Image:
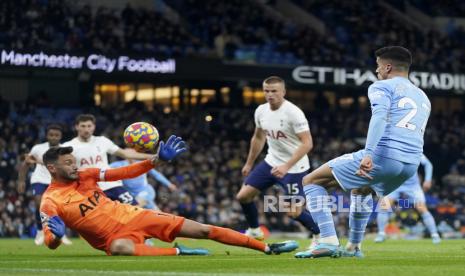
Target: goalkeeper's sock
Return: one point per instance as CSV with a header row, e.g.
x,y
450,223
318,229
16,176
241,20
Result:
x,y
145,250
231,237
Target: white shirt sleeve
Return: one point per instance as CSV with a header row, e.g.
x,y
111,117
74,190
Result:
x,y
299,122
257,117
35,151
110,147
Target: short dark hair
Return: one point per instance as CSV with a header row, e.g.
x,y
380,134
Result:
x,y
84,118
53,153
54,127
273,80
400,57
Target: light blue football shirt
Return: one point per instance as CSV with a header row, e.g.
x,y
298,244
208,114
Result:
x,y
400,112
137,184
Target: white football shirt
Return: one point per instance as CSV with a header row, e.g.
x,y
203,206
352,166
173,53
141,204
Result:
x,y
40,173
281,127
94,154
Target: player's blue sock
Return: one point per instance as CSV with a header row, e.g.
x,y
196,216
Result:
x,y
251,214
428,220
360,211
382,220
38,221
306,219
317,197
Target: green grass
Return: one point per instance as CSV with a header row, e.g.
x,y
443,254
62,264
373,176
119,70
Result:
x,y
418,258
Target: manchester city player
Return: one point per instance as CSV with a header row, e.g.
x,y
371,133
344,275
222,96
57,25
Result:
x,y
392,153
139,187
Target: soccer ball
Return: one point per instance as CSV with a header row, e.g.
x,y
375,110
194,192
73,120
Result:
x,y
141,136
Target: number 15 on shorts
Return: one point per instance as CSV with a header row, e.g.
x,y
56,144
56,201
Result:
x,y
292,188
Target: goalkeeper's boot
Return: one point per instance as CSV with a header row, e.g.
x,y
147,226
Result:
x,y
282,247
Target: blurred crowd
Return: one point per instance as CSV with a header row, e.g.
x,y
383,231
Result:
x,y
55,25
247,31
362,26
209,174
450,8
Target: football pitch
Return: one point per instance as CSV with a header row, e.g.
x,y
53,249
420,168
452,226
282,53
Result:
x,y
22,257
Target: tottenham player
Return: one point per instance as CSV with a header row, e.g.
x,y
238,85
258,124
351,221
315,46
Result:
x,y
412,189
392,153
75,199
91,152
40,178
283,126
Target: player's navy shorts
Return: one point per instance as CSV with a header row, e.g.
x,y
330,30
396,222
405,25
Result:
x,y
121,194
411,189
39,188
388,174
261,179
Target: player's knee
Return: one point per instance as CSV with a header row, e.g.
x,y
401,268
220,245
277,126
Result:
x,y
243,197
204,231
308,179
122,247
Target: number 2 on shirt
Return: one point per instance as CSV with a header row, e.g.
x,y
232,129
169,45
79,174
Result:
x,y
405,121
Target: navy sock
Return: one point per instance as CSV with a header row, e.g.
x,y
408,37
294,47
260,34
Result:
x,y
251,214
306,219
38,220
